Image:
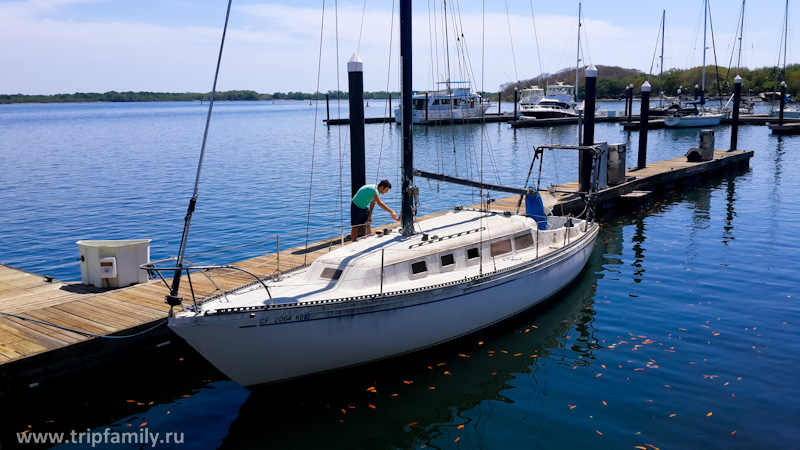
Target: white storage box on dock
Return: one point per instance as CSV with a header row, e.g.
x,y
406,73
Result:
x,y
113,264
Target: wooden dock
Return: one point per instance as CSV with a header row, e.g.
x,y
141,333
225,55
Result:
x,y
559,121
32,352
652,124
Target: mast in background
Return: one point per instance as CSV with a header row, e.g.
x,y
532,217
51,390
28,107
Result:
x,y
406,213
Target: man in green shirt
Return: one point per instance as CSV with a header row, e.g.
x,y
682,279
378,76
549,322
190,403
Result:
x,y
363,203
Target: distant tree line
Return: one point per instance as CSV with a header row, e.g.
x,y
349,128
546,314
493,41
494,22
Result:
x,y
611,81
114,96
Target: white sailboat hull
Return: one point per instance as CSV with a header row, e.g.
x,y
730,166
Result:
x,y
704,120
284,342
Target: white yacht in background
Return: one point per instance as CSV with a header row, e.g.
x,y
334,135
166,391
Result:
x,y
455,102
559,102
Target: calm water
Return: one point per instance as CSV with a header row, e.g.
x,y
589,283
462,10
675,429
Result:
x,y
680,333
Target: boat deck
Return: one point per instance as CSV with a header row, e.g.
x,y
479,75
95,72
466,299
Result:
x,y
31,352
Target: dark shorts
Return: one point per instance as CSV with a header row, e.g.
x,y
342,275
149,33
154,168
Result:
x,y
358,216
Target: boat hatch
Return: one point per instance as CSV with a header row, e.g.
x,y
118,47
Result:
x,y
331,273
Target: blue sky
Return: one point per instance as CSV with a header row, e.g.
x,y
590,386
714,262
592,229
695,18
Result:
x,y
67,46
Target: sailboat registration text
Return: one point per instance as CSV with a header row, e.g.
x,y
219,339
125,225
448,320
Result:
x,y
284,319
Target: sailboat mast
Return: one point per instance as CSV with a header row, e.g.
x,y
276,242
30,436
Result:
x,y
705,27
578,57
407,215
785,36
741,32
661,74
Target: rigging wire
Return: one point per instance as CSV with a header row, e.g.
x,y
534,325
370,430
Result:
x,y
314,138
338,108
714,48
655,51
736,36
389,103
471,75
536,37
511,39
361,29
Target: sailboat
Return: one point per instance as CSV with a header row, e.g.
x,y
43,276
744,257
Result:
x,y
393,293
673,107
790,111
701,118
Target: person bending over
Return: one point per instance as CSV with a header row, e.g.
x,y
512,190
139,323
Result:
x,y
363,203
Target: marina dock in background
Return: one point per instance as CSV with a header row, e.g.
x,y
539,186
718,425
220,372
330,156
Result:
x,y
633,125
41,316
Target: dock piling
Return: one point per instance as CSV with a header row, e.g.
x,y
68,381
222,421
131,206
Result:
x,y
737,94
629,102
328,108
643,116
355,77
516,95
783,102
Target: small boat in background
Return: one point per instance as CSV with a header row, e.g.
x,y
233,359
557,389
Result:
x,y
701,119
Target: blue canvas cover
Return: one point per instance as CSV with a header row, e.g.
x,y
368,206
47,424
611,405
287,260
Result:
x,y
534,208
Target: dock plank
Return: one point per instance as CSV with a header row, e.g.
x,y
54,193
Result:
x,y
30,335
65,336
65,319
88,311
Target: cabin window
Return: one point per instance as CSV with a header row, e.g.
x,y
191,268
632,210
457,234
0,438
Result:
x,y
448,260
419,267
473,253
329,273
501,247
455,102
523,241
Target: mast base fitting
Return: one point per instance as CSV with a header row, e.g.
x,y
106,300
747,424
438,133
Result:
x,y
173,300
